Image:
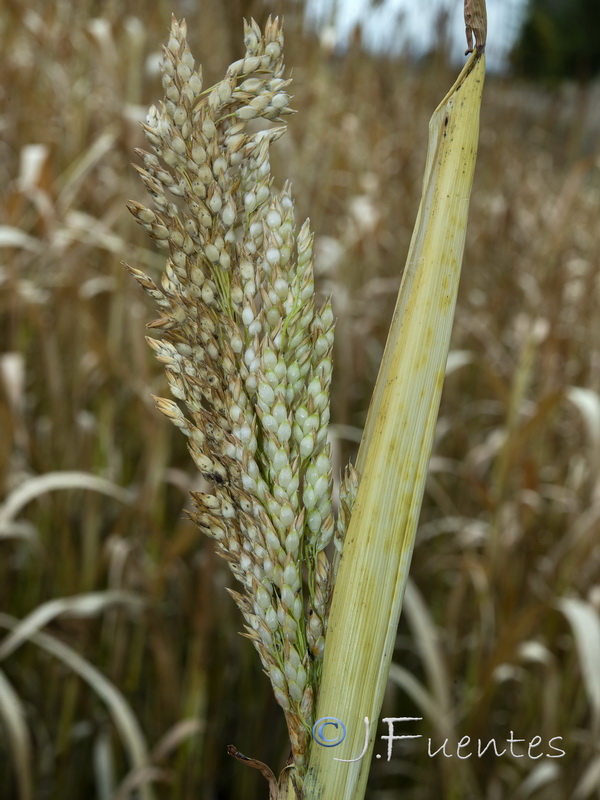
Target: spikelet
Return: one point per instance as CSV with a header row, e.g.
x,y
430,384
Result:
x,y
246,352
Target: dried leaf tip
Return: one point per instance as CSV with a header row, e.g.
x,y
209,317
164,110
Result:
x,y
475,25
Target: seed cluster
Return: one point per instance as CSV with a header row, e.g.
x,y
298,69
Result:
x,y
247,354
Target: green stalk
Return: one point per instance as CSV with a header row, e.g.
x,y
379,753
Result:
x,y
395,453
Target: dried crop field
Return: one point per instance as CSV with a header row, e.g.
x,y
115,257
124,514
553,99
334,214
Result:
x,y
118,642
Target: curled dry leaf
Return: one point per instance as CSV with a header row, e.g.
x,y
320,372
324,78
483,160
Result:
x,y
475,24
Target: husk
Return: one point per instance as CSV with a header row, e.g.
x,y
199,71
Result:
x,y
395,450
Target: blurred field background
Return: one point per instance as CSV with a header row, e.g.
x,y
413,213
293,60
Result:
x,y
118,642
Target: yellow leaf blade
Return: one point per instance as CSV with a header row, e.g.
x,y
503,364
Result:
x,y
395,451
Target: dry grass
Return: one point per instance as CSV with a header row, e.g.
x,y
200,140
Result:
x,y
130,646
